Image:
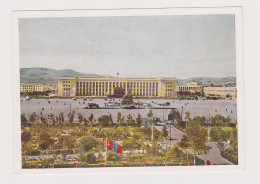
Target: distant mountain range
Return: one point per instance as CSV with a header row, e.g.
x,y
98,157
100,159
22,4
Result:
x,y
207,80
49,76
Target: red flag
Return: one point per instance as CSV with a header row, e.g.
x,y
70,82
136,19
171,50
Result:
x,y
109,144
119,149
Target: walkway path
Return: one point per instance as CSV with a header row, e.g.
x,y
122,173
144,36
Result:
x,y
214,155
176,135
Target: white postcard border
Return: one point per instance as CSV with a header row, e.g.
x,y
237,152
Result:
x,y
237,11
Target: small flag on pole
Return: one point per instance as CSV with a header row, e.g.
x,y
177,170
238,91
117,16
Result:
x,y
117,74
109,145
119,149
114,147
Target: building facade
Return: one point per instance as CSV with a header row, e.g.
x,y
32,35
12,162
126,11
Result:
x,y
221,91
101,87
192,87
25,88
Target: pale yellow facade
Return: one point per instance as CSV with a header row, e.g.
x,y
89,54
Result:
x,y
191,87
224,92
101,87
36,87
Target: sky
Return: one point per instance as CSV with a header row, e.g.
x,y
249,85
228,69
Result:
x,y
144,46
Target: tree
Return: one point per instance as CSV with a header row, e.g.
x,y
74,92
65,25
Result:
x,y
32,117
154,148
45,140
139,120
43,120
174,151
219,134
111,156
165,132
187,116
66,142
91,158
147,132
105,120
85,121
174,115
90,118
80,117
86,144
25,136
196,137
119,117
61,117
52,118
130,120
200,119
184,143
219,120
71,117
150,114
24,121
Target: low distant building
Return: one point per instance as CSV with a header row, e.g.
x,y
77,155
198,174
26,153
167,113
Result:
x,y
25,87
51,87
102,87
191,87
230,84
220,91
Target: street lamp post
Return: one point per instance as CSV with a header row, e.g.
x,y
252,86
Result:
x,y
181,112
208,125
170,136
152,128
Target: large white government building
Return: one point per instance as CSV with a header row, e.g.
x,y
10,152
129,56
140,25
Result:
x,y
101,87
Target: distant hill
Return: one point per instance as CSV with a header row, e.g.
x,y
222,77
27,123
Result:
x,y
47,75
207,80
50,76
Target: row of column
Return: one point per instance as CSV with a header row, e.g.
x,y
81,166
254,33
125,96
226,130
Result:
x,y
105,88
